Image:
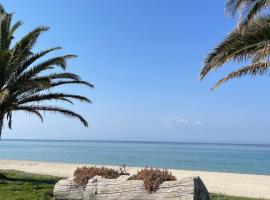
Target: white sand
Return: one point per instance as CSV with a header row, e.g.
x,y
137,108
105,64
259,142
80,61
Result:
x,y
224,183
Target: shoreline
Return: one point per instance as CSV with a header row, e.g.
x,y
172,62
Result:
x,y
243,185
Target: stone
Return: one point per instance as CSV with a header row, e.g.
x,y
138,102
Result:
x,y
99,188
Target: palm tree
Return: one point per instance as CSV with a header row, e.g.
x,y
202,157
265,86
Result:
x,y
248,9
25,84
251,43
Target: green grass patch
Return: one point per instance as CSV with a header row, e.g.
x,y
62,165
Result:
x,y
15,185
224,197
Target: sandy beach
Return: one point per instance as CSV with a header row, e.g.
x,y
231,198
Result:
x,y
245,185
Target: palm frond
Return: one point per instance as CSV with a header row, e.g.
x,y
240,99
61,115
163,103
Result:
x,y
32,58
27,42
51,96
248,10
254,69
58,83
65,75
5,31
252,8
28,109
22,49
60,110
14,28
232,6
46,65
240,47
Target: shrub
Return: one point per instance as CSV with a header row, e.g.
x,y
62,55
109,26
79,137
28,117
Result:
x,y
83,174
153,178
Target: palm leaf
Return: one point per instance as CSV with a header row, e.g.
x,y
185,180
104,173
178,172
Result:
x,y
29,110
259,68
254,44
53,109
248,10
51,96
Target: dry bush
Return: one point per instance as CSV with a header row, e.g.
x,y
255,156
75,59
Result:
x,y
83,174
153,178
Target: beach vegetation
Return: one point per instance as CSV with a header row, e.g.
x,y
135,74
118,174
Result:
x,y
153,178
27,84
83,174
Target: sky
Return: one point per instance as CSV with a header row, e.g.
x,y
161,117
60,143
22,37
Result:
x,y
144,58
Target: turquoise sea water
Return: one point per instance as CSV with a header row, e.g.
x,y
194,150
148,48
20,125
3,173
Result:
x,y
252,159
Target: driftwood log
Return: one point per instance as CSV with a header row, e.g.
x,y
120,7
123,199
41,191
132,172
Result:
x,y
98,188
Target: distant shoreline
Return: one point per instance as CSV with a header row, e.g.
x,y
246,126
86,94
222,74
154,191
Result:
x,y
148,141
245,185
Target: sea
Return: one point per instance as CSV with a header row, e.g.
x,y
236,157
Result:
x,y
234,158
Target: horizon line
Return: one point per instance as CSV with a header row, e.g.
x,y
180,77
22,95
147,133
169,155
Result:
x,y
147,141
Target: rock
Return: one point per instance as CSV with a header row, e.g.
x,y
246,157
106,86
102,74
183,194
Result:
x,y
98,188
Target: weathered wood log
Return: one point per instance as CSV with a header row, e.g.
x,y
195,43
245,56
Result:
x,y
98,188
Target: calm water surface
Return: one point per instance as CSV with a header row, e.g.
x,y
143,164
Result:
x,y
252,159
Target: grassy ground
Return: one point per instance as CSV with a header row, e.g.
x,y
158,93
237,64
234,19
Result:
x,y
223,197
16,185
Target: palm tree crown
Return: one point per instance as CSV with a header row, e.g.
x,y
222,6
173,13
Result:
x,y
25,84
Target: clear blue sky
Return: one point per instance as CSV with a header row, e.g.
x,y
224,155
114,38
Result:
x,y
144,58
